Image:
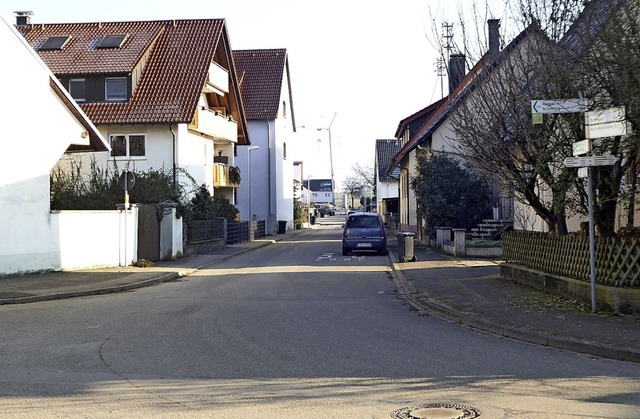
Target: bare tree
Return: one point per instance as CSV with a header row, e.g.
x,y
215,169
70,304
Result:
x,y
353,185
495,133
366,173
605,51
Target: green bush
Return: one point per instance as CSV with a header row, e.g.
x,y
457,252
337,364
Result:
x,y
99,189
205,207
448,195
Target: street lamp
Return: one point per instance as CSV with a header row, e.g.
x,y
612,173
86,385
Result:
x,y
249,150
333,184
309,199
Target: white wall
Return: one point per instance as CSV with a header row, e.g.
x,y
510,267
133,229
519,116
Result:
x,y
193,153
38,127
96,239
385,190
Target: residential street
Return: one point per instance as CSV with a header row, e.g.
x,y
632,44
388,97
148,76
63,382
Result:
x,y
295,330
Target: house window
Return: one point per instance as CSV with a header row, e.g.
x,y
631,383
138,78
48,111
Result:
x,y
111,41
54,43
116,88
127,146
77,89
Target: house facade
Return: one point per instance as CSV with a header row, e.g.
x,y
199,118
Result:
x,y
33,142
435,133
267,190
163,93
387,185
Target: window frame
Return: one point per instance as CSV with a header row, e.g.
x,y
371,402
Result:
x,y
112,98
84,88
127,146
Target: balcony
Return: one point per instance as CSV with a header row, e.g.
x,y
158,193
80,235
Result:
x,y
215,124
225,176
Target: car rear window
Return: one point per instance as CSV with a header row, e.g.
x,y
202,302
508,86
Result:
x,y
363,222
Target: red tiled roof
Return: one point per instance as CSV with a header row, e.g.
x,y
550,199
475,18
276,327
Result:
x,y
260,74
176,57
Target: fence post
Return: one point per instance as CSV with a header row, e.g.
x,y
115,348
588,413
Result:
x,y
459,238
443,234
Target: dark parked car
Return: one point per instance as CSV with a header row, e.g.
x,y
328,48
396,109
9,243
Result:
x,y
364,232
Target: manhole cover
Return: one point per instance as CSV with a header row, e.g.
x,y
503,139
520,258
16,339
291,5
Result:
x,y
437,411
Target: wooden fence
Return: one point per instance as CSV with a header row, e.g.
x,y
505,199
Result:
x,y
617,259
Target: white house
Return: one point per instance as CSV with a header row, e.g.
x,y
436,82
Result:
x,y
266,192
387,184
163,93
42,123
430,130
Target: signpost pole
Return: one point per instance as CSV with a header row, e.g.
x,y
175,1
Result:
x,y
592,240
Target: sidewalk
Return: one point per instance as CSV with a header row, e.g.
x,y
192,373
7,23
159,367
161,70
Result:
x,y
471,292
48,286
465,291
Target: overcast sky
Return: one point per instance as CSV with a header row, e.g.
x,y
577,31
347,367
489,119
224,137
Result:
x,y
371,62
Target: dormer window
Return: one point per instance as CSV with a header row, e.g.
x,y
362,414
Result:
x,y
111,41
116,88
77,89
54,43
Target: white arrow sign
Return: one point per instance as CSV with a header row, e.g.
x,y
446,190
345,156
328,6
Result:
x,y
605,123
558,106
590,161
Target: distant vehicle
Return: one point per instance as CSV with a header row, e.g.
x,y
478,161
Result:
x,y
364,232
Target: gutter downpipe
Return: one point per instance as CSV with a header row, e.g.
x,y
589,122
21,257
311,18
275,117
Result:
x,y
175,175
271,224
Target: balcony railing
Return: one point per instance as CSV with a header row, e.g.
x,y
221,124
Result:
x,y
225,176
215,124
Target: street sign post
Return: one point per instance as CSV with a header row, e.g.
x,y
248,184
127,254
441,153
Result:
x,y
558,106
582,147
605,123
597,124
589,161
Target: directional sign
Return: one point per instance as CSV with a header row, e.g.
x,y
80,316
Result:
x,y
583,172
558,106
590,161
581,147
604,116
605,123
611,129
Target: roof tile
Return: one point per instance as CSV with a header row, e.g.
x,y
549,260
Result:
x,y
260,74
179,54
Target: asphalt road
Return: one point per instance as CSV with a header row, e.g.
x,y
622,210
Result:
x,y
290,330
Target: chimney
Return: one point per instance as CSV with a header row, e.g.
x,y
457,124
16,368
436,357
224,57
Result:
x,y
494,39
23,18
456,71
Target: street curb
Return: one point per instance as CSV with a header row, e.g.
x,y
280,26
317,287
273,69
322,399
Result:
x,y
178,273
121,288
445,313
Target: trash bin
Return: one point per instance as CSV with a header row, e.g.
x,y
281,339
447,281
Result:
x,y
405,247
282,226
313,219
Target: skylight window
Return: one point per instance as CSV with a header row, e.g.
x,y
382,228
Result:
x,y
112,41
54,43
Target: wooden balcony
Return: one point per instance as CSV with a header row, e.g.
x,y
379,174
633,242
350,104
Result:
x,y
215,124
223,177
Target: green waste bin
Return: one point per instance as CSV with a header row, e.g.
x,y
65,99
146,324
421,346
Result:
x,y
405,247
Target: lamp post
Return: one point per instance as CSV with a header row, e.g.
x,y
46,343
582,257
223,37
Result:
x,y
333,183
309,199
249,150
